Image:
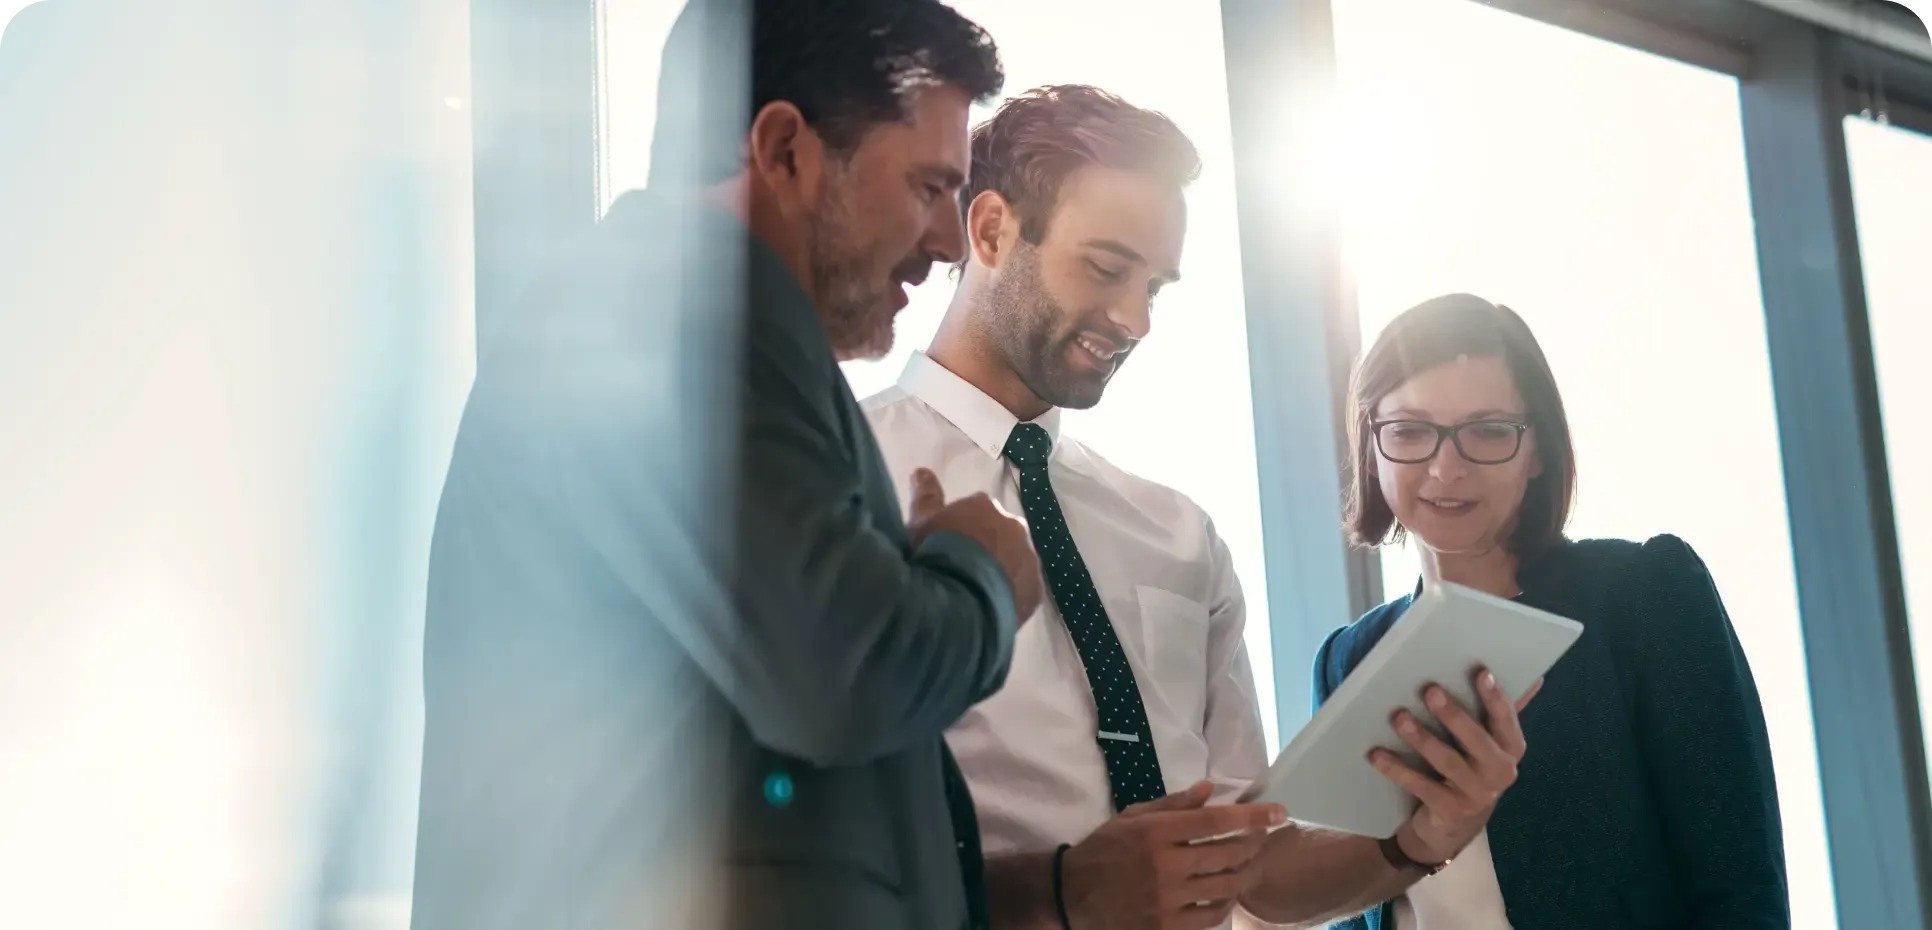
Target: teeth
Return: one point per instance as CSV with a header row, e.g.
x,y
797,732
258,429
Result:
x,y
1094,350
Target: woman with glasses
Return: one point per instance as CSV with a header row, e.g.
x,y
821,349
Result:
x,y
1646,799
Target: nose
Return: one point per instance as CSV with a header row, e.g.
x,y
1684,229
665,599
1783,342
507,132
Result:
x,y
1133,316
1448,465
945,238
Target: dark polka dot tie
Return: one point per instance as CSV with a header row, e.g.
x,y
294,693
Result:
x,y
1133,768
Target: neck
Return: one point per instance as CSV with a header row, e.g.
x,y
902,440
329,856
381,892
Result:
x,y
740,197
964,348
1491,571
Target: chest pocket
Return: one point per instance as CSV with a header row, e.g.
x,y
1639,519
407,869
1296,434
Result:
x,y
1174,644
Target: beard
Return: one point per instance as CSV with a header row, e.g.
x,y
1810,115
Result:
x,y
1033,332
853,286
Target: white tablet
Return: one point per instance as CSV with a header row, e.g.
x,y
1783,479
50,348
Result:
x,y
1323,777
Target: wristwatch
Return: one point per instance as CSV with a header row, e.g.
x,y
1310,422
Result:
x,y
1392,851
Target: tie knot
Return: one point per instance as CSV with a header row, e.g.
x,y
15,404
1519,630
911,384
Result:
x,y
1028,446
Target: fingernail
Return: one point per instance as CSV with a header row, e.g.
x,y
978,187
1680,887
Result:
x,y
1406,725
1489,680
1437,699
1277,816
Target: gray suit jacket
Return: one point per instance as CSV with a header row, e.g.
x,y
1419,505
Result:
x,y
682,667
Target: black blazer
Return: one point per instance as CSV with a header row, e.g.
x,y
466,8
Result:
x,y
1647,799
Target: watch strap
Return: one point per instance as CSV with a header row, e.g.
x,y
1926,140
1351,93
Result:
x,y
1401,862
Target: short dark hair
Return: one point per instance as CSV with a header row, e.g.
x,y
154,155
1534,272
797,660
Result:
x,y
848,65
1036,140
1436,332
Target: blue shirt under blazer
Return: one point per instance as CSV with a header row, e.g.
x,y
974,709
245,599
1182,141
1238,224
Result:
x,y
1646,800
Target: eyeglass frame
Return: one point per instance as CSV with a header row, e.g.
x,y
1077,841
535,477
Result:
x,y
1453,434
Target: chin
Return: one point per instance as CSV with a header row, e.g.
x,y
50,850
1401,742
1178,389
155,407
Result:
x,y
874,349
870,349
1076,400
1453,542
1060,389
879,340
1076,393
1424,532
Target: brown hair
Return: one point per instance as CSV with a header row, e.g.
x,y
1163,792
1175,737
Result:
x,y
1436,332
1036,140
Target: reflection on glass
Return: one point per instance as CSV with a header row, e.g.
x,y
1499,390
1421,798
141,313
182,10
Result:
x,y
236,313
1621,231
1892,190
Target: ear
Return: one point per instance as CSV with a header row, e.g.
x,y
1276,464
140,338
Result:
x,y
785,154
991,228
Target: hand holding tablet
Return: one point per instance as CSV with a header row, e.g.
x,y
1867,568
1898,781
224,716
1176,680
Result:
x,y
1461,780
1423,733
1175,858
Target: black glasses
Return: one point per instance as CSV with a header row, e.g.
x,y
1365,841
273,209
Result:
x,y
1480,442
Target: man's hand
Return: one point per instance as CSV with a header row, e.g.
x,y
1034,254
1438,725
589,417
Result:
x,y
980,518
1459,797
1141,870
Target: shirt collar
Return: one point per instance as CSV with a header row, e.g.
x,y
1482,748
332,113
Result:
x,y
984,420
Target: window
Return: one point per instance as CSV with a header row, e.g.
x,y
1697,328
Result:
x,y
1892,192
1179,414
1539,168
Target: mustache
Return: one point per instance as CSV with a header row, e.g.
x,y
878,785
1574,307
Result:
x,y
913,271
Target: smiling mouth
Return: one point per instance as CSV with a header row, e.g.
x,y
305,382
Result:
x,y
1448,505
1102,353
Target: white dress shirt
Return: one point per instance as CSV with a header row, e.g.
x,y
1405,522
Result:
x,y
1464,896
1030,752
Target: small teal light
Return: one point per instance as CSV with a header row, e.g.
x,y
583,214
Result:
x,y
778,789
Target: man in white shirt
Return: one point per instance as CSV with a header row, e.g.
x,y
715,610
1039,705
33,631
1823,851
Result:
x,y
1130,707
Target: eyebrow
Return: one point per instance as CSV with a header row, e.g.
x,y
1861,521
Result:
x,y
1494,414
1120,248
1410,413
943,175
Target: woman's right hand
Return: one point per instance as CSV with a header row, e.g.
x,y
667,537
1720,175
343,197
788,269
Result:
x,y
1460,795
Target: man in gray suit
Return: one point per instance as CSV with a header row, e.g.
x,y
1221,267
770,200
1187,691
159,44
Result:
x,y
685,665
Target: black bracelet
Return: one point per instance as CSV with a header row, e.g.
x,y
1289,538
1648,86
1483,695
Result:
x,y
1059,899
